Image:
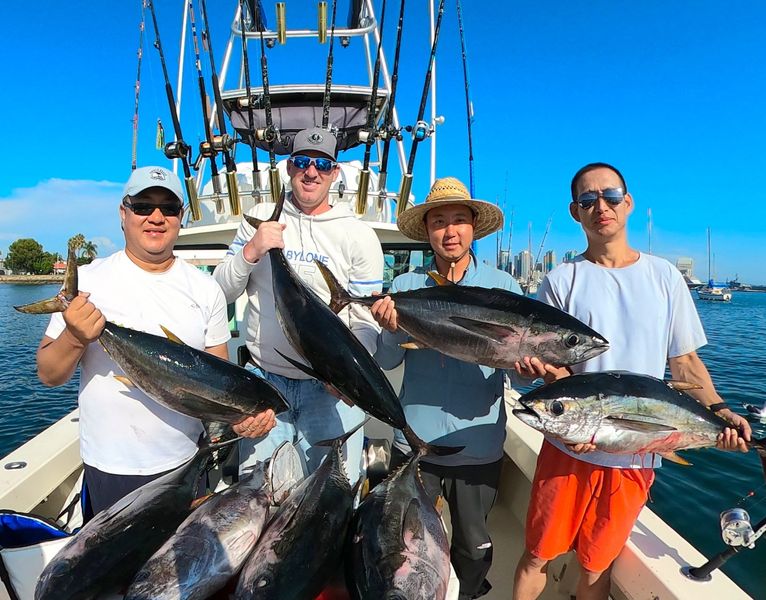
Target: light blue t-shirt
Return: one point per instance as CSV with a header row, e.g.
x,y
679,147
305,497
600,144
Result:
x,y
447,401
646,313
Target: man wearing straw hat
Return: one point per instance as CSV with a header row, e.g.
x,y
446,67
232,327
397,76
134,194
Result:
x,y
448,401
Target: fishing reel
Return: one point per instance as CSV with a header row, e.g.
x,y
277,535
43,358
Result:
x,y
177,149
420,131
222,143
736,529
269,135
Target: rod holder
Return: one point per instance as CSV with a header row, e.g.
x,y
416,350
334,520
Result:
x,y
275,185
322,25
231,184
361,192
281,23
404,194
191,192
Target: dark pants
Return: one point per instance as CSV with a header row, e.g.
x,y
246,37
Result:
x,y
470,492
104,489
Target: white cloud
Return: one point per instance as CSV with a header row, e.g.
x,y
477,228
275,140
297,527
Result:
x,y
55,209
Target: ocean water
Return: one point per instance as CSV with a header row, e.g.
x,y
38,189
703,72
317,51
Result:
x,y
688,498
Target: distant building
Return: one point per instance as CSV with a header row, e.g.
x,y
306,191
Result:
x,y
549,261
570,256
686,266
59,268
523,265
504,262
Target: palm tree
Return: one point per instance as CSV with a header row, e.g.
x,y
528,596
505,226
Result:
x,y
88,250
76,241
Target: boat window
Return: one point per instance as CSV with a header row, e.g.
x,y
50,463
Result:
x,y
403,258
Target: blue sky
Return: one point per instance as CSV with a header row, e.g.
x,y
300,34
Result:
x,y
672,96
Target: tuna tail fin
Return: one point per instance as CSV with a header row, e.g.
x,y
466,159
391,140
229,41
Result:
x,y
60,301
439,278
341,439
339,297
274,216
420,447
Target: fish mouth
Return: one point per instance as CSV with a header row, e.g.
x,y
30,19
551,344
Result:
x,y
526,413
600,345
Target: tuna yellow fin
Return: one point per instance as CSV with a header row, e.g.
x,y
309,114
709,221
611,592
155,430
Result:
x,y
673,457
171,336
439,278
200,501
439,506
414,346
125,381
675,384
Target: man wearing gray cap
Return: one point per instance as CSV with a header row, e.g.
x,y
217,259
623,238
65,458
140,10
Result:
x,y
126,438
309,228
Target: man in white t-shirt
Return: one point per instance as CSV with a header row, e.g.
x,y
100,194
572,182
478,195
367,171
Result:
x,y
309,228
126,438
641,304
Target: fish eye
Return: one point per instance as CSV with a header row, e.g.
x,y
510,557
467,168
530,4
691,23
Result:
x,y
572,340
263,581
557,408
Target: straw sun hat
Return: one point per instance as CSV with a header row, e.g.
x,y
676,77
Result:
x,y
444,192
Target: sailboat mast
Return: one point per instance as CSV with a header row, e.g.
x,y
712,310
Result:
x,y
709,272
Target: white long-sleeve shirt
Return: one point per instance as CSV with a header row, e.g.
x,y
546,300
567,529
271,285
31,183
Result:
x,y
348,246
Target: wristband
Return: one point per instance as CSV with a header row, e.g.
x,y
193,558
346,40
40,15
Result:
x,y
718,406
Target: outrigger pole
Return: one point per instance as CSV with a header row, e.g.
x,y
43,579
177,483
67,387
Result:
x,y
328,79
251,119
178,149
270,134
388,132
468,105
206,148
421,130
224,143
371,133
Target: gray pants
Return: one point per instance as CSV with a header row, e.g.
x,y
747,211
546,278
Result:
x,y
470,492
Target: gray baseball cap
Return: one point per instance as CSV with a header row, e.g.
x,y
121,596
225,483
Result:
x,y
317,139
147,177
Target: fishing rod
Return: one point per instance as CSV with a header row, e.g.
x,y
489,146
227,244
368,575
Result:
x,y
223,143
388,132
178,149
251,119
468,105
140,53
421,129
738,533
206,148
269,134
328,79
370,134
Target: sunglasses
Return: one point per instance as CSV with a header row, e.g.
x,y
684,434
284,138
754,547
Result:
x,y
144,209
302,162
613,197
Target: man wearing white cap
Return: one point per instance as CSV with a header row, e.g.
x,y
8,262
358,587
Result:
x,y
309,228
447,401
126,438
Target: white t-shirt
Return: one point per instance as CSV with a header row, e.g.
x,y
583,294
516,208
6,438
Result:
x,y
346,245
644,310
123,431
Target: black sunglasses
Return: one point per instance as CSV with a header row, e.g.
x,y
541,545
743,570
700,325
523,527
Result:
x,y
613,197
144,209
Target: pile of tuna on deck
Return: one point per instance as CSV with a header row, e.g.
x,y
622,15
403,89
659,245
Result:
x,y
156,541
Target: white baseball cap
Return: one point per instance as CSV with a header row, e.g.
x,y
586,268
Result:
x,y
147,177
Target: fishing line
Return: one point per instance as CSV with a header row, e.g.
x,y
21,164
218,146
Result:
x,y
371,133
140,54
421,129
328,79
250,117
468,104
224,143
269,134
387,131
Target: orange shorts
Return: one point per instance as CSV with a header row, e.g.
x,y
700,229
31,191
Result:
x,y
585,507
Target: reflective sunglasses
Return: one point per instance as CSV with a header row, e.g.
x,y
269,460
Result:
x,y
144,209
613,197
302,162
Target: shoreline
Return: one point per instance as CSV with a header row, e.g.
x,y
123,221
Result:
x,y
31,279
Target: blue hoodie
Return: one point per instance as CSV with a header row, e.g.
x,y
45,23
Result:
x,y
448,401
